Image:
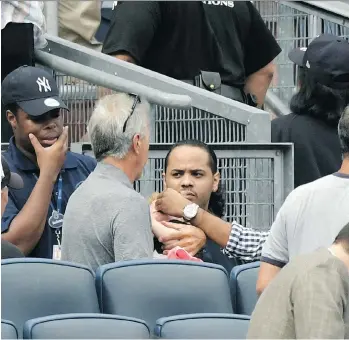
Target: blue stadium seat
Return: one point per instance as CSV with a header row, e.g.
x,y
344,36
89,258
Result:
x,y
203,326
243,281
151,289
8,330
32,288
85,326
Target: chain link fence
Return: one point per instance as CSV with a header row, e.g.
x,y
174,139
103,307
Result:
x,y
295,25
255,179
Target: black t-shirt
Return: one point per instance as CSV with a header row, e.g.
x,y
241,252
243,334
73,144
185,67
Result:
x,y
180,38
316,146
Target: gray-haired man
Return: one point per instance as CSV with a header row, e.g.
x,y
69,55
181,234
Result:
x,y
106,220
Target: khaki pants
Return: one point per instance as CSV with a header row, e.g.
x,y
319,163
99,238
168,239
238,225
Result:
x,y
79,22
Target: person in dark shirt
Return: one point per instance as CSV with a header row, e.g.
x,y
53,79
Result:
x,y
195,195
14,181
181,38
38,153
316,108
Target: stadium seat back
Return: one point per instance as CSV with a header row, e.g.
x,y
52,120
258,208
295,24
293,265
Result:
x,y
85,326
8,330
243,280
151,289
32,288
203,326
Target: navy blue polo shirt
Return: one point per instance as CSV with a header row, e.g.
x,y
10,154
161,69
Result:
x,y
75,170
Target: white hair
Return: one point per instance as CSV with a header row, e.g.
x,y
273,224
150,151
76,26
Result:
x,y
107,122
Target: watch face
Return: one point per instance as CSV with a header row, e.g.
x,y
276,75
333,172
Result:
x,y
190,211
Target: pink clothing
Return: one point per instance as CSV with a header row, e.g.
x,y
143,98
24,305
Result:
x,y
178,253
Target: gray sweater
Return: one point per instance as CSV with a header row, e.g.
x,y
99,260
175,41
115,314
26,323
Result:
x,y
106,221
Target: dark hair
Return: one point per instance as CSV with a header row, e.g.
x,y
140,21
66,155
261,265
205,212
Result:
x,y
343,132
343,238
317,100
216,204
13,107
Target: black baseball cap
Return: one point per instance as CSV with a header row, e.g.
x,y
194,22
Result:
x,y
327,59
33,89
8,178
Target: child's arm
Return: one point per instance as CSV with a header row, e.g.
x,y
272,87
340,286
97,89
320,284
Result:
x,y
159,230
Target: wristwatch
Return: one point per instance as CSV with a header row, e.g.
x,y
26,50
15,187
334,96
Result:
x,y
190,211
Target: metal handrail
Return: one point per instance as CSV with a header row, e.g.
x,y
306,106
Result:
x,y
112,82
338,8
275,104
109,72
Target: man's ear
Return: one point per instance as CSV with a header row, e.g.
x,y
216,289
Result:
x,y
216,180
164,180
12,119
136,143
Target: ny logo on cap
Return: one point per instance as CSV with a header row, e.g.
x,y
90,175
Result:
x,y
43,84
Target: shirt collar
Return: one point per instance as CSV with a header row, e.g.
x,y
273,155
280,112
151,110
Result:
x,y
341,175
114,172
23,163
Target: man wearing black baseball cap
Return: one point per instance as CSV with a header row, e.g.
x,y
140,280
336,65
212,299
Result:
x,y
323,93
33,89
326,59
38,152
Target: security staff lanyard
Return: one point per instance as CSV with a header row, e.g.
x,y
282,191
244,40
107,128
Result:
x,y
56,219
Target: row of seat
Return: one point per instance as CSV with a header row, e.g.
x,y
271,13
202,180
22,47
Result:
x,y
103,326
147,290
